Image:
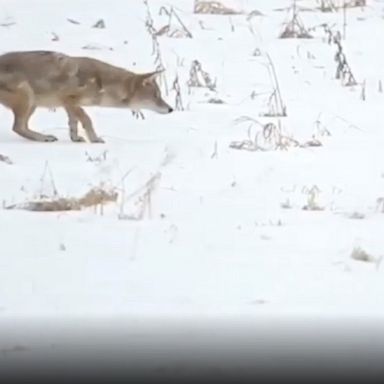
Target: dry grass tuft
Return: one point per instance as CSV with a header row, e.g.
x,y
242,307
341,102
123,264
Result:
x,y
213,8
334,6
263,137
97,196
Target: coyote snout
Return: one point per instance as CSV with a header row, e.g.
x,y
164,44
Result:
x,y
33,79
148,96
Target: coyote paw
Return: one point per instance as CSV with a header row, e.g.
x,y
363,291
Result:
x,y
78,139
49,138
98,140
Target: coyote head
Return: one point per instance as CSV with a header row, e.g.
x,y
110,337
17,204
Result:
x,y
146,94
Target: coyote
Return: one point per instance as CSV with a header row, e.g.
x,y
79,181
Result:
x,y
32,79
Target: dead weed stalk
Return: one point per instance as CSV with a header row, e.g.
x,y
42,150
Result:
x,y
156,50
181,31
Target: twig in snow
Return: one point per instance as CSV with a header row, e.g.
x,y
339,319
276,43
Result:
x,y
72,21
99,24
215,152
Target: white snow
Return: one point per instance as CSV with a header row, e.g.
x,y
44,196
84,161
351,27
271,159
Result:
x,y
217,239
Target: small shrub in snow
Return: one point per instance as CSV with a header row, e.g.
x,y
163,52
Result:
x,y
199,78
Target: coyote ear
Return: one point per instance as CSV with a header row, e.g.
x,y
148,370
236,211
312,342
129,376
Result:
x,y
151,76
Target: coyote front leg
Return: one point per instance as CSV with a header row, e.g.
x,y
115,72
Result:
x,y
73,127
76,114
23,108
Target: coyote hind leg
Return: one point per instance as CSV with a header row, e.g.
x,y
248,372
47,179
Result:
x,y
20,126
22,105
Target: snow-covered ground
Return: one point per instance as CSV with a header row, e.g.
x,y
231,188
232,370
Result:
x,y
224,232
